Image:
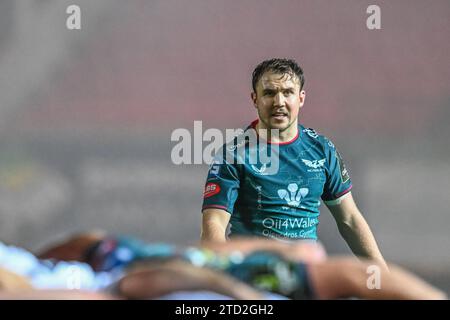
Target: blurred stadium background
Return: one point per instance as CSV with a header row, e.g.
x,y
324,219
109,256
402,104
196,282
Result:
x,y
86,116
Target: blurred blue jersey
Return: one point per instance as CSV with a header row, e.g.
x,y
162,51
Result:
x,y
48,274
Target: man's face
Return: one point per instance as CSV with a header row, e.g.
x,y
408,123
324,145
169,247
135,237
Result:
x,y
278,100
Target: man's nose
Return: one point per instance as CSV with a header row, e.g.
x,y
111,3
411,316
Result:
x,y
279,99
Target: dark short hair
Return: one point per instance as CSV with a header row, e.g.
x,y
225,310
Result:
x,y
278,65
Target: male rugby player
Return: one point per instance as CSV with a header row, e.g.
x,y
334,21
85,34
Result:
x,y
253,200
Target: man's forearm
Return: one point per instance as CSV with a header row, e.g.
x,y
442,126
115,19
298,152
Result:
x,y
295,251
214,225
154,280
345,277
10,281
212,232
360,239
226,285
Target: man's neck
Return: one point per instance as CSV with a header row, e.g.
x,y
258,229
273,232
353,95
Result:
x,y
283,136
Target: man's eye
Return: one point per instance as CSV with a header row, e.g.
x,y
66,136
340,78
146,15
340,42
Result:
x,y
287,93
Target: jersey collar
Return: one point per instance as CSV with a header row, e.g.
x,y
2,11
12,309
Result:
x,y
255,122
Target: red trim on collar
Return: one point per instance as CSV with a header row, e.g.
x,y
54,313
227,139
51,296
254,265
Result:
x,y
255,122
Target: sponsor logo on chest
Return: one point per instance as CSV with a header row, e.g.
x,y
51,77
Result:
x,y
314,165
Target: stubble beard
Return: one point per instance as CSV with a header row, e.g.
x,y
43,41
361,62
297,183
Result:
x,y
269,127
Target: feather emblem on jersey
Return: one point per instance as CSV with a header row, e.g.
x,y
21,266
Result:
x,y
293,194
315,164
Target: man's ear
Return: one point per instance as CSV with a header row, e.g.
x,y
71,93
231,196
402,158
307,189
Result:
x,y
302,96
253,96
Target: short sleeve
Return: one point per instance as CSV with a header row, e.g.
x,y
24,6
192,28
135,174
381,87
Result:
x,y
222,186
338,182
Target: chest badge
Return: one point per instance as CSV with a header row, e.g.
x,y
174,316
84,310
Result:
x,y
293,195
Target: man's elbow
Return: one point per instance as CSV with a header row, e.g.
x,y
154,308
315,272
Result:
x,y
346,226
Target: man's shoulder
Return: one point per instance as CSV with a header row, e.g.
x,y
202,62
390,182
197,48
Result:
x,y
313,136
236,141
239,138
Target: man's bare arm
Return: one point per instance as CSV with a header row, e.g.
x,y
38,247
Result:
x,y
153,280
348,277
305,251
10,281
355,230
214,225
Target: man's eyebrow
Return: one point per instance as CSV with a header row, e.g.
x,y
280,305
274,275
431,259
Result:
x,y
281,89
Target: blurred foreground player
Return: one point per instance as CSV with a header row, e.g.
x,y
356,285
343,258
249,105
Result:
x,y
295,270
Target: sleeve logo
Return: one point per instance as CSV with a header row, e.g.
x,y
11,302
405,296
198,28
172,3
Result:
x,y
311,132
344,172
211,189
